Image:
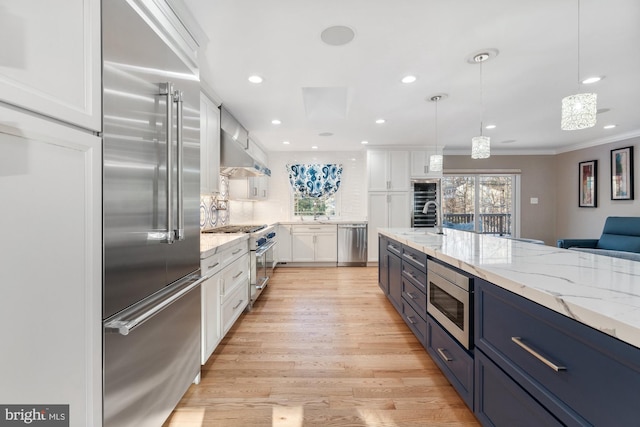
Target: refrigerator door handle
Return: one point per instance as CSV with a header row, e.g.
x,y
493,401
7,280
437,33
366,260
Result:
x,y
131,318
166,90
179,232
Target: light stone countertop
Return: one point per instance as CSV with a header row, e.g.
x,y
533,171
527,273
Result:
x,y
598,291
211,243
324,222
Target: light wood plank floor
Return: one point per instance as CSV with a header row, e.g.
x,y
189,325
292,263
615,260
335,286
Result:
x,y
322,347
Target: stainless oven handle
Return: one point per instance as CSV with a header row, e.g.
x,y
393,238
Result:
x,y
537,355
262,249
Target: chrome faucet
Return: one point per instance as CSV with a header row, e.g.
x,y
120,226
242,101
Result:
x,y
425,210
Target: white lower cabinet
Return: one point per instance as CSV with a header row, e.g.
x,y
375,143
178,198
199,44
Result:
x,y
225,293
211,327
283,248
314,243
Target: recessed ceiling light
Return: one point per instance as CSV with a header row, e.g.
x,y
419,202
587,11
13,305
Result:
x,y
314,147
380,121
591,80
255,79
409,79
286,142
325,134
276,122
609,126
490,127
364,142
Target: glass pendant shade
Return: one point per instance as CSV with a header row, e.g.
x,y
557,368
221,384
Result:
x,y
435,163
480,147
579,111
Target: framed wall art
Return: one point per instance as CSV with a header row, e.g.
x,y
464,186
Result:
x,y
622,173
588,174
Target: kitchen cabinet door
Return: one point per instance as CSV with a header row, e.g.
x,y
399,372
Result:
x,y
258,187
50,182
211,316
303,247
326,247
209,146
388,170
51,59
420,164
283,248
399,208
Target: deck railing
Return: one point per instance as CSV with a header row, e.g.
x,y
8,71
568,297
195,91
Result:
x,y
499,224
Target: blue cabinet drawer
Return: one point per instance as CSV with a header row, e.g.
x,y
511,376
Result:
x,y
501,402
417,258
581,375
394,247
415,297
453,360
416,323
417,277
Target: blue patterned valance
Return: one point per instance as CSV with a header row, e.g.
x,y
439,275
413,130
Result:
x,y
314,180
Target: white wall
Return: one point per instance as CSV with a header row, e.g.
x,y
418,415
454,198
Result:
x,y
576,222
351,197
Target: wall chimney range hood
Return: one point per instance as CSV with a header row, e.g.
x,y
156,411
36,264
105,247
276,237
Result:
x,y
235,159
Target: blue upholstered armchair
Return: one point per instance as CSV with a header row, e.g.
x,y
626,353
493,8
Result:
x,y
620,238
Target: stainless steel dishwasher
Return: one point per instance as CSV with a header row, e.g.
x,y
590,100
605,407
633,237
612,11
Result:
x,y
352,245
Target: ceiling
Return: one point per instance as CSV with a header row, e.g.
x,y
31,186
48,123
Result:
x,y
315,88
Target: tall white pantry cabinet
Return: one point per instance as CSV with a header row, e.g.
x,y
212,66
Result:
x,y
389,203
50,191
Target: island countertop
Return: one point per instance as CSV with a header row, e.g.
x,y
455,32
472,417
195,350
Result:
x,y
599,291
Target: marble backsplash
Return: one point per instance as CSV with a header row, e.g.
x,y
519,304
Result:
x,y
214,209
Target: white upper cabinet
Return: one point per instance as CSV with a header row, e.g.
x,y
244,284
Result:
x,y
420,164
209,146
388,170
50,60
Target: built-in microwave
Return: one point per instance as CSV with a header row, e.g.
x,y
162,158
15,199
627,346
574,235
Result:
x,y
423,191
449,300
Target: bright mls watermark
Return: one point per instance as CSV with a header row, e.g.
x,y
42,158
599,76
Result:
x,y
34,415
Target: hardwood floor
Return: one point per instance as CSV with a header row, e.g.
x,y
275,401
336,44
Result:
x,y
322,347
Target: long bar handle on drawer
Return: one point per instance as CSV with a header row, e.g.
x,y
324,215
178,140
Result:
x,y
239,304
410,295
537,355
213,265
238,275
410,319
444,355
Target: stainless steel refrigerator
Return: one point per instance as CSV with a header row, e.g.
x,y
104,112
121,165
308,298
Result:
x,y
151,170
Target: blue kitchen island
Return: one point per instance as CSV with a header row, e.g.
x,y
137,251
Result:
x,y
553,335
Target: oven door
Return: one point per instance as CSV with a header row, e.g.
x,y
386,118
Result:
x,y
449,305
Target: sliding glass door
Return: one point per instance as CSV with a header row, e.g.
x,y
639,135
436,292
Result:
x,y
481,203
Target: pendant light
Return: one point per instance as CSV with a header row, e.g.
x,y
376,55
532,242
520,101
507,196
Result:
x,y
579,111
480,145
435,160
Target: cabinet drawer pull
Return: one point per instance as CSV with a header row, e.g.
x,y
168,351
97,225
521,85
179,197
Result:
x,y
410,319
443,355
236,251
239,304
238,275
537,355
410,295
212,266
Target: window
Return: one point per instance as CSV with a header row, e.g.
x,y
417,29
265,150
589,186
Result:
x,y
303,206
481,203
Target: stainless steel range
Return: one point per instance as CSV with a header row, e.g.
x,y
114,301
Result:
x,y
262,242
